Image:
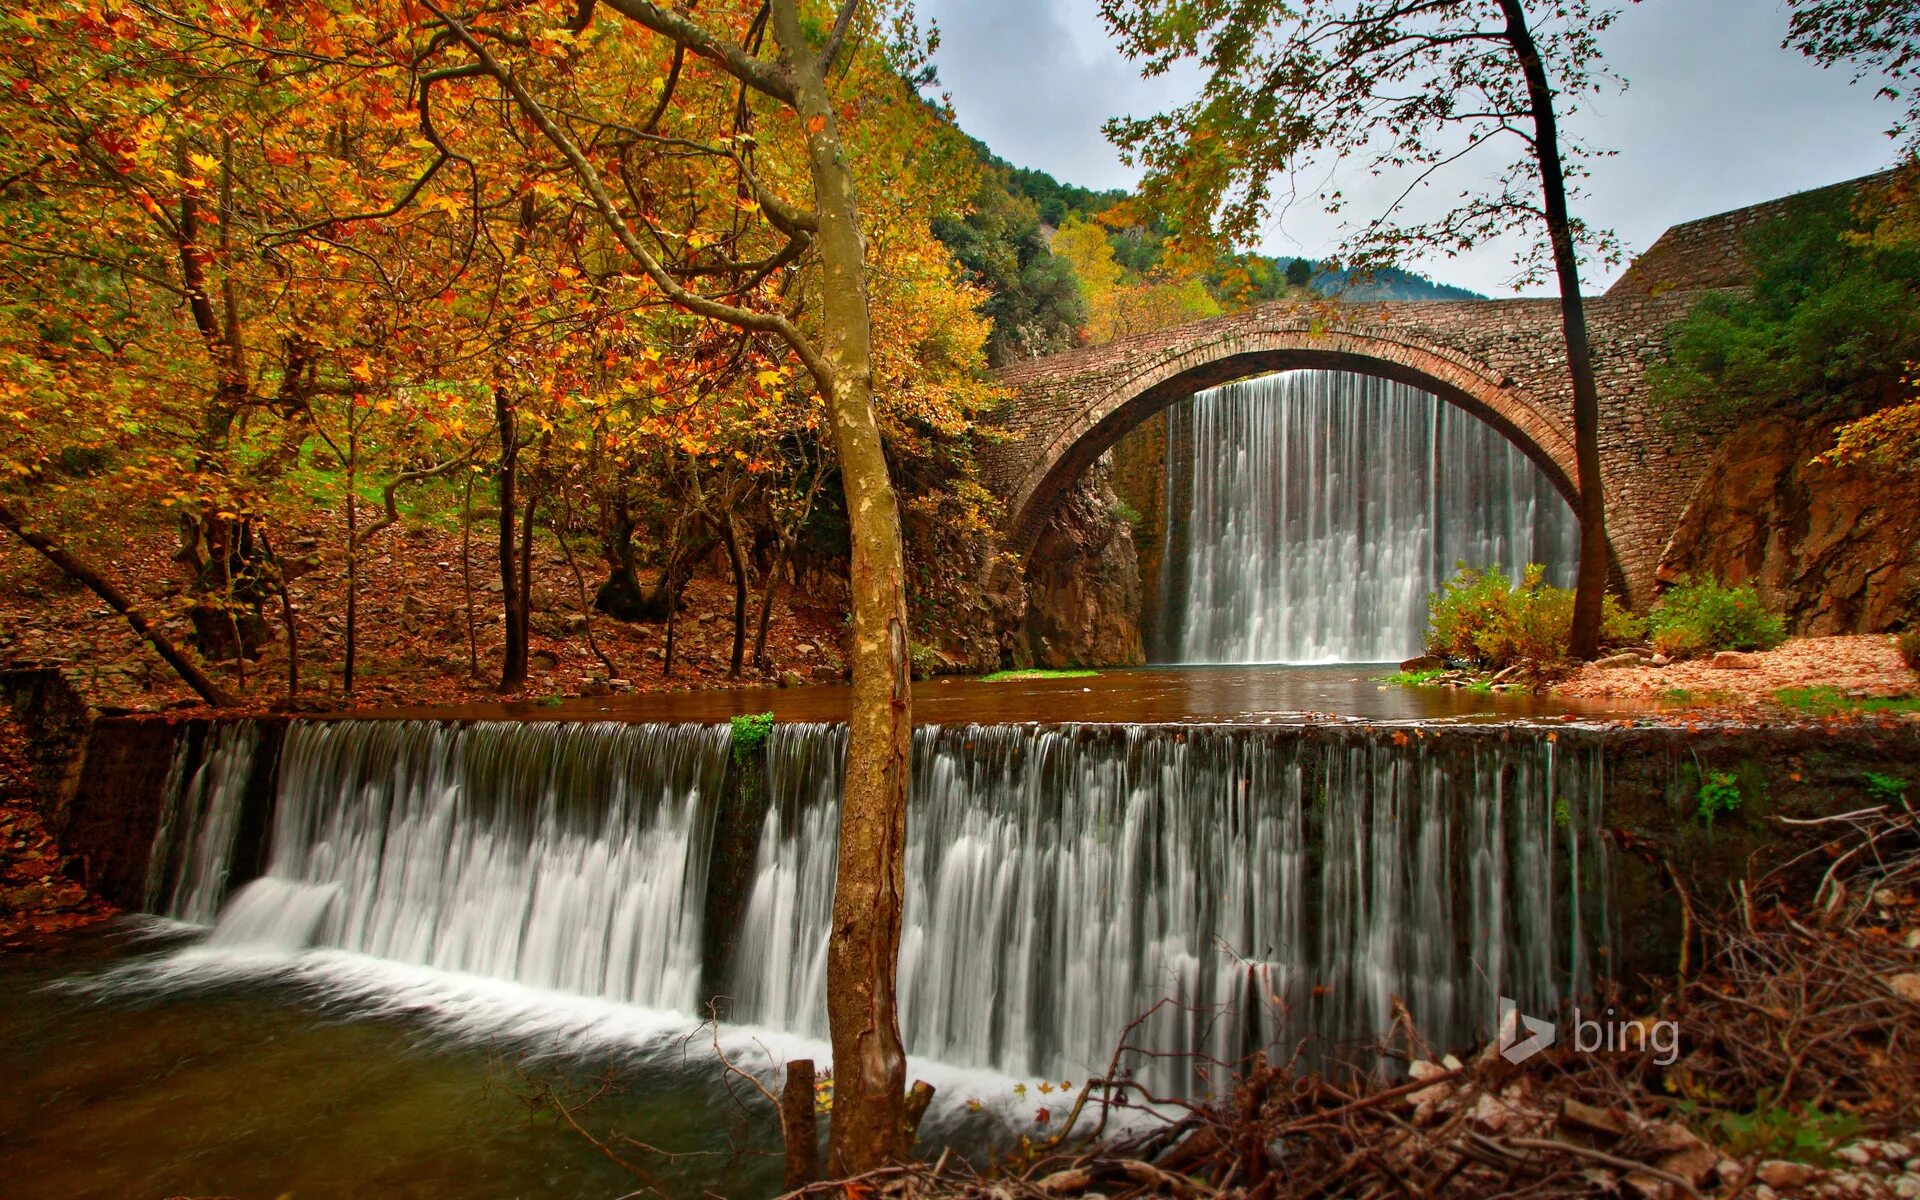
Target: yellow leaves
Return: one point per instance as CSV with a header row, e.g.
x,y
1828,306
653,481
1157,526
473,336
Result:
x,y
362,370
206,163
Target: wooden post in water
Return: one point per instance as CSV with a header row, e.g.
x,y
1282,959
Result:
x,y
798,1125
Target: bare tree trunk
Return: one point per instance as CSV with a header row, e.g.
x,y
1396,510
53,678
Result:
x,y
286,619
863,951
1591,582
580,584
670,587
788,534
117,600
523,595
513,662
766,608
466,577
730,535
353,561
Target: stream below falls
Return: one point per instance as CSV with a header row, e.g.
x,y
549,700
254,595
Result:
x,y
428,914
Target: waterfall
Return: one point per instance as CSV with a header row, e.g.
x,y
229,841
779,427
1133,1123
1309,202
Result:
x,y
1264,888
199,821
1310,513
562,856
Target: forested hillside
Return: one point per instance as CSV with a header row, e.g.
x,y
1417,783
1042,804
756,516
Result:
x,y
1065,264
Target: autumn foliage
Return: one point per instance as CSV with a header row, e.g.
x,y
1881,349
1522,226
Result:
x,y
288,280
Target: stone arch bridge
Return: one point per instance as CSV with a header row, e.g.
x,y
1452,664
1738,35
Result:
x,y
1502,360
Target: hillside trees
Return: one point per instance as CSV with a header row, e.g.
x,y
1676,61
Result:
x,y
1407,87
1880,41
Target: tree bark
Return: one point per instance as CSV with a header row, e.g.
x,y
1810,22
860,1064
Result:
x,y
523,595
737,563
799,1127
117,600
863,951
513,661
353,558
1591,582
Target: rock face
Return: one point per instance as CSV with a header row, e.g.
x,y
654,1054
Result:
x,y
1836,549
1083,583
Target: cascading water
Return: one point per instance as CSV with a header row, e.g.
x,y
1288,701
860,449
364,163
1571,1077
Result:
x,y
193,843
1277,887
1310,513
1274,887
562,856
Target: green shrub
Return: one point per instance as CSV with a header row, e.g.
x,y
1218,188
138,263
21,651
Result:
x,y
1772,1130
1701,616
750,733
1909,644
1719,793
925,660
1482,617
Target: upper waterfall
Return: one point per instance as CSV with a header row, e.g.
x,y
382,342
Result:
x,y
1309,514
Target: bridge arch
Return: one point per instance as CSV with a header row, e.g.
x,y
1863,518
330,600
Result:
x,y
1117,402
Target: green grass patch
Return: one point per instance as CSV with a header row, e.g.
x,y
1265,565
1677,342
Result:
x,y
1826,701
1413,678
1037,673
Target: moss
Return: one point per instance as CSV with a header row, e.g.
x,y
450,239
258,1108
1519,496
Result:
x,y
1886,789
750,733
1037,673
1828,701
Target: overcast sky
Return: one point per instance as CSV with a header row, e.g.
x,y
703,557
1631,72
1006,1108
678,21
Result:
x,y
1717,115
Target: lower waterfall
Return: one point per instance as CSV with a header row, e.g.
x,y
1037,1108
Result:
x,y
193,844
570,857
1270,888
1262,887
1309,514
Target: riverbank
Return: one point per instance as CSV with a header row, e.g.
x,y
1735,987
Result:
x,y
1804,673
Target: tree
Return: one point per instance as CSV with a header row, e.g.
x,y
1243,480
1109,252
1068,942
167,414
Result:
x,y
1299,273
1407,88
1879,39
1826,328
535,66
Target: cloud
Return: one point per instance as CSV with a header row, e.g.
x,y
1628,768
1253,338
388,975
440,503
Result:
x,y
1717,115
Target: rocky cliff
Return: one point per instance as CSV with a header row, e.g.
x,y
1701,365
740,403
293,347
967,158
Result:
x,y
1837,549
1083,583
